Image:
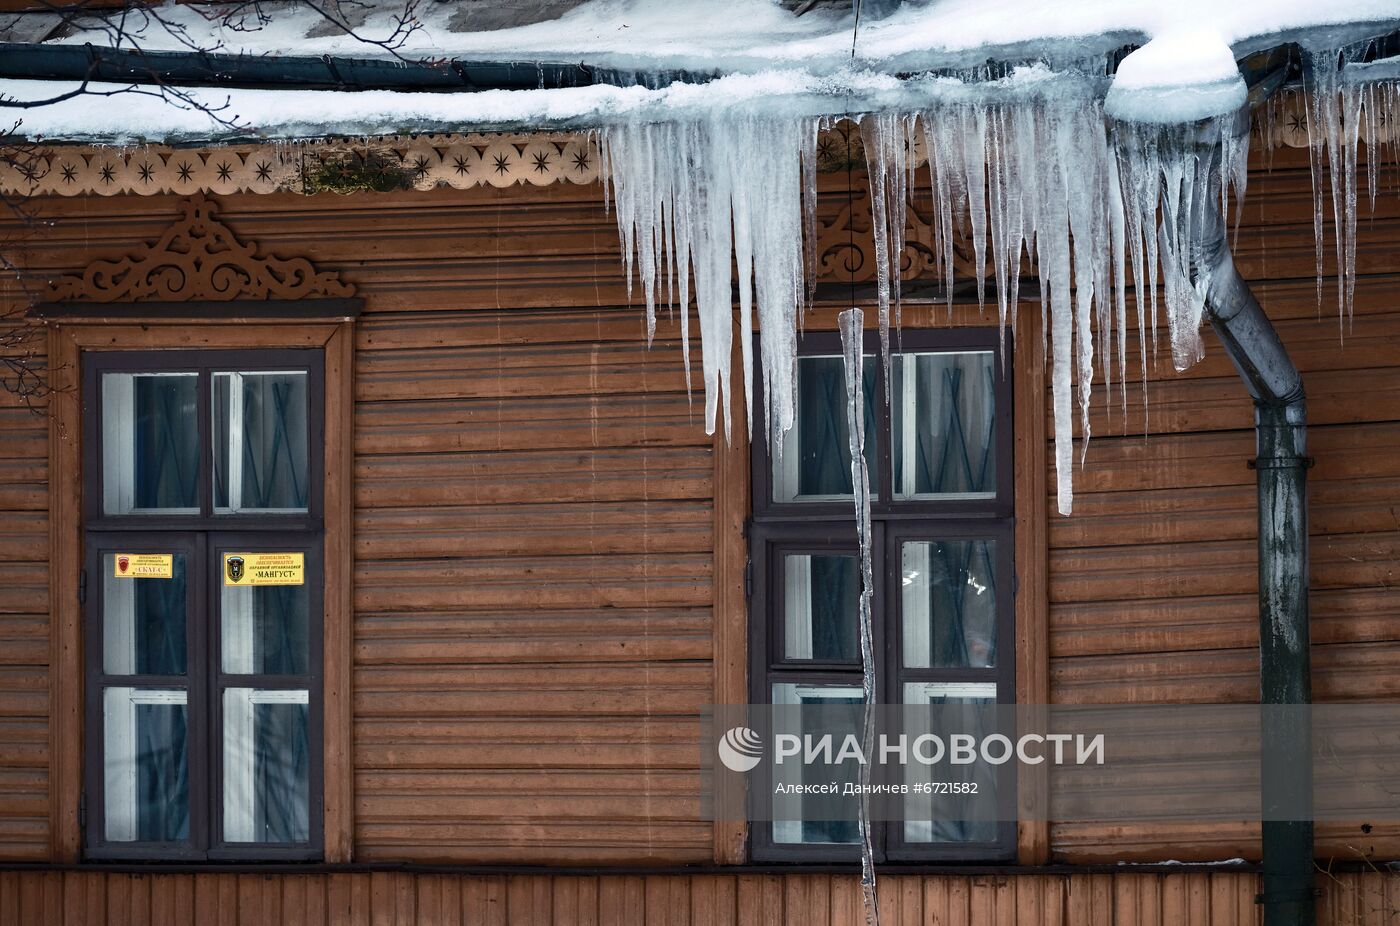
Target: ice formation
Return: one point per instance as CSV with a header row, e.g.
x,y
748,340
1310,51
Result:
x,y
1099,182
692,196
1038,177
1347,106
852,326
1034,166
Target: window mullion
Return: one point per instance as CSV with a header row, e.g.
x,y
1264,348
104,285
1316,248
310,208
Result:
x,y
204,418
205,622
235,441
909,431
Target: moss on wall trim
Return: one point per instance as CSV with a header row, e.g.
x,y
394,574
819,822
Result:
x,y
356,173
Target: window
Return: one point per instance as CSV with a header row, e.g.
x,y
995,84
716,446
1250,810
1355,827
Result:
x,y
939,457
202,597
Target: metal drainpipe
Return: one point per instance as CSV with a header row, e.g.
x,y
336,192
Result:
x,y
1280,465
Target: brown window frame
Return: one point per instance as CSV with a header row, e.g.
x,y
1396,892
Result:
x,y
201,536
778,528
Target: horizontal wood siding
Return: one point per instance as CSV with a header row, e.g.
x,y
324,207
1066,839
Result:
x,y
405,899
534,562
24,627
533,529
534,532
1153,579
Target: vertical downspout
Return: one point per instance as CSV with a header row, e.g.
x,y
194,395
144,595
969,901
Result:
x,y
1280,465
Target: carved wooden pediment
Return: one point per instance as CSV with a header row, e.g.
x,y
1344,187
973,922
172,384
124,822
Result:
x,y
846,245
198,259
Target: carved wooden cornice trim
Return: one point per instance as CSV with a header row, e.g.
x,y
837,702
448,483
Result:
x,y
198,259
419,162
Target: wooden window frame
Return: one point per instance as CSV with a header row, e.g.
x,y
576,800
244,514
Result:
x,y
95,328
780,528
733,494
200,535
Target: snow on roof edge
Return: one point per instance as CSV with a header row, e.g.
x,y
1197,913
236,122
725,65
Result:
x,y
1183,73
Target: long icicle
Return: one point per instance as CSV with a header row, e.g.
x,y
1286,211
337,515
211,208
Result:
x,y
1025,175
852,325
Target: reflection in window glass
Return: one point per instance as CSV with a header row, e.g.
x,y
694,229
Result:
x,y
146,784
267,766
260,442
931,818
944,417
821,596
825,817
150,443
264,630
949,603
143,620
816,460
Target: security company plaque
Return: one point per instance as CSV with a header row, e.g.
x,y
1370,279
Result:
x,y
264,569
143,565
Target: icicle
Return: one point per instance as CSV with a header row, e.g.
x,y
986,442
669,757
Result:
x,y
693,196
852,326
1334,120
887,138
1038,176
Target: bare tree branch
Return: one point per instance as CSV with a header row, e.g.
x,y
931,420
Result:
x,y
138,26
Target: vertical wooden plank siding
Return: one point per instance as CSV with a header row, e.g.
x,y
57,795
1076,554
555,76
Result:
x,y
1122,899
731,619
339,758
1032,604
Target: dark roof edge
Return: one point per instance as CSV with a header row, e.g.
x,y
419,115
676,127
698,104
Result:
x,y
264,72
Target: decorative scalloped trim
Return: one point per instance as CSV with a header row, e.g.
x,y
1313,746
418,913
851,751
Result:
x,y
421,162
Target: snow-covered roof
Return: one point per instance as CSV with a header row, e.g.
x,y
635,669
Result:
x,y
1181,62
751,34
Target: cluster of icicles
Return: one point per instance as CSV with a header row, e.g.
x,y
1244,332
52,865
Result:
x,y
1094,205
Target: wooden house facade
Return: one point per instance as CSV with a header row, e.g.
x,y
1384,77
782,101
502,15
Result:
x,y
533,561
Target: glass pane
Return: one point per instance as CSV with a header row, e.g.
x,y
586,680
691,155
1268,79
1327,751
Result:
x,y
264,630
143,614
817,818
816,460
146,786
266,766
260,442
150,443
936,817
944,416
821,605
949,602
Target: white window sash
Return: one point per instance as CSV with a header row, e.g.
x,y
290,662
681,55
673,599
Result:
x,y
235,442
120,786
790,831
118,621
918,615
118,443
797,613
240,757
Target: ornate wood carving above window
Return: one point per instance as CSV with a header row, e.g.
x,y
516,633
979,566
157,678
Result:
x,y
197,260
846,245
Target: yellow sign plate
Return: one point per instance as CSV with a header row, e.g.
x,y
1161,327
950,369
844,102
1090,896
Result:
x,y
264,569
143,565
